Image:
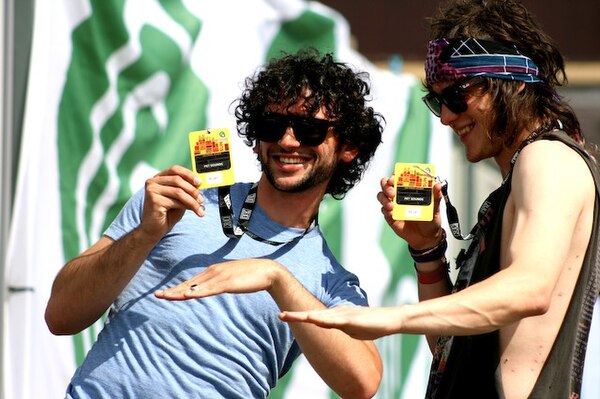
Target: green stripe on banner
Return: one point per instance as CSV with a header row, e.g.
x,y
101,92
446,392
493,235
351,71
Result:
x,y
125,103
332,225
412,145
314,30
309,29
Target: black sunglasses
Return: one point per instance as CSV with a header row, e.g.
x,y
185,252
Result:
x,y
307,130
454,97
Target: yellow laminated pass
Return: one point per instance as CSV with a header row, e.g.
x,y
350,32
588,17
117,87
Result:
x,y
211,157
414,191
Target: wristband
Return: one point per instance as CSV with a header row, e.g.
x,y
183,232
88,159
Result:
x,y
440,273
430,254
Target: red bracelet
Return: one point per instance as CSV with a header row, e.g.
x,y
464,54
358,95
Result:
x,y
434,276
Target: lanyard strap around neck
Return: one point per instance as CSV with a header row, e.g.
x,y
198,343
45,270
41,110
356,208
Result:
x,y
227,218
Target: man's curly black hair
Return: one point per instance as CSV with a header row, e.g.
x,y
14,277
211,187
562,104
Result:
x,y
334,86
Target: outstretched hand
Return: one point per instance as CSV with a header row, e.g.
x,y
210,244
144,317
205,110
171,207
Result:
x,y
234,277
359,322
417,234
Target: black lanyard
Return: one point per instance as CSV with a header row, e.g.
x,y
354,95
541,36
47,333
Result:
x,y
452,214
227,219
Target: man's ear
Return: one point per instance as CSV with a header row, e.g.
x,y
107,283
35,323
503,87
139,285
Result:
x,y
349,152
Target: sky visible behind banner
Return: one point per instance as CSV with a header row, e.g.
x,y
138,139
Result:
x,y
114,88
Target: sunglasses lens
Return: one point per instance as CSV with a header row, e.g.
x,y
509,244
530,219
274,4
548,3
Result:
x,y
453,97
308,131
455,101
270,129
433,104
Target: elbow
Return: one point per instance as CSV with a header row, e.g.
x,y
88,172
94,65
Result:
x,y
61,329
368,389
371,390
58,331
57,324
364,391
366,385
536,302
54,326
539,305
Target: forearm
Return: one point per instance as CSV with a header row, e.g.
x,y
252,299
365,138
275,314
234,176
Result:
x,y
351,367
498,301
87,285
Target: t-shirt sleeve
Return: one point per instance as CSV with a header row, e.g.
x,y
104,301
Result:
x,y
128,218
344,289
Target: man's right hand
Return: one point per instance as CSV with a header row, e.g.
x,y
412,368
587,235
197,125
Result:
x,y
167,196
419,235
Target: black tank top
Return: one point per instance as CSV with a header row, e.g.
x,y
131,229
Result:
x,y
465,366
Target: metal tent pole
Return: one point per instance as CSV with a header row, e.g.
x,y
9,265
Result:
x,y
16,31
6,158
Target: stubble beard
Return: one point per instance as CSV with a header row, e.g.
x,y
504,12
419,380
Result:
x,y
321,173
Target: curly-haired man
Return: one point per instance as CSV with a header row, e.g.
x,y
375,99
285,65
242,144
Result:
x,y
307,118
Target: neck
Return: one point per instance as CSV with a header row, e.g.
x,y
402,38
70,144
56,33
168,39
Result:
x,y
504,157
289,209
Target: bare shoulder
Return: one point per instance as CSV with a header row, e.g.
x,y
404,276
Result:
x,y
552,165
550,153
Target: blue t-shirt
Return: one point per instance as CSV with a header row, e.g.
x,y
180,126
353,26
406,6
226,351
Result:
x,y
225,346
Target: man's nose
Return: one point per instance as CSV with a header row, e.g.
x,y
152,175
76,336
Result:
x,y
289,139
446,116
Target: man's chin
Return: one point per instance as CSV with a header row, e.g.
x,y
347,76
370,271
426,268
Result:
x,y
290,187
288,184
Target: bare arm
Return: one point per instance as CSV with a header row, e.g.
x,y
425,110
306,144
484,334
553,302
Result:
x,y
87,285
349,366
534,252
539,224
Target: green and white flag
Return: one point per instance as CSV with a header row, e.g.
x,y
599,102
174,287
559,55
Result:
x,y
114,88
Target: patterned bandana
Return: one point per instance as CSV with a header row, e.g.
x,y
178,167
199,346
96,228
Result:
x,y
452,59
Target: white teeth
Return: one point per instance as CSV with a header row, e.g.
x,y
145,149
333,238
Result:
x,y
464,130
290,160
